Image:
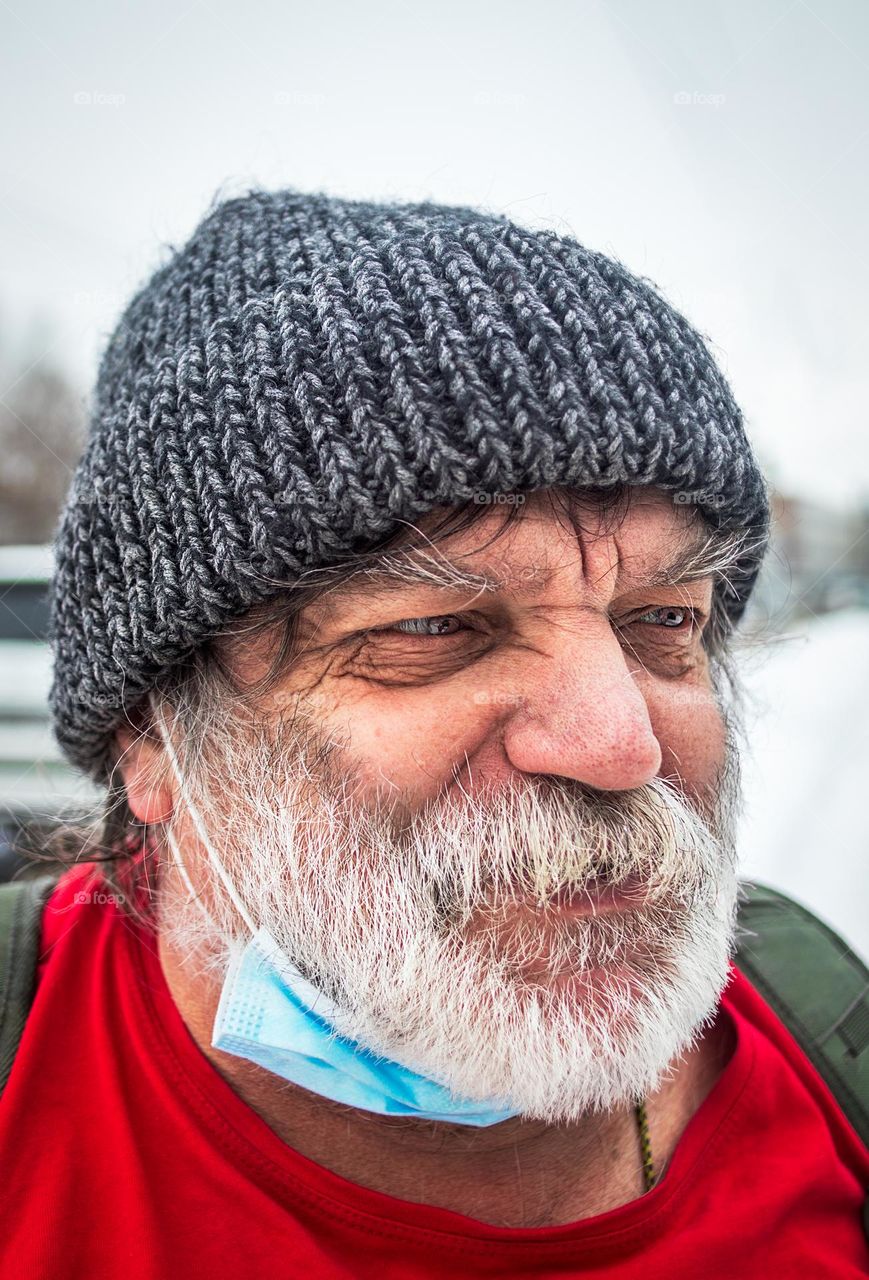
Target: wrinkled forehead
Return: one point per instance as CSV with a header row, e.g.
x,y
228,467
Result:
x,y
523,542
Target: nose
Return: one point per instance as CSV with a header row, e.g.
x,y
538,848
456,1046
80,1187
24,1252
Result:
x,y
582,716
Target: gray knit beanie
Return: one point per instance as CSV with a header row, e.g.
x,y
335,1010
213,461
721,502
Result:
x,y
307,371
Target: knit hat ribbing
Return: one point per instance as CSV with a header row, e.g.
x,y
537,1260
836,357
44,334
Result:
x,y
306,371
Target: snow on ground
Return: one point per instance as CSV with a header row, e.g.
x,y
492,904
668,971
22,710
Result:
x,y
806,772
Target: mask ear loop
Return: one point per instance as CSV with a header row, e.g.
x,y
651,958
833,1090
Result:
x,y
157,708
315,1000
182,871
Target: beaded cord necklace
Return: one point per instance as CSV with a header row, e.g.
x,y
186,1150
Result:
x,y
645,1145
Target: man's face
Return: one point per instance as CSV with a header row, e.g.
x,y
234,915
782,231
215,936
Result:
x,y
561,672
446,773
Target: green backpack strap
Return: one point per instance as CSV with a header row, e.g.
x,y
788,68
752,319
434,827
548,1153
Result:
x,y
21,903
819,988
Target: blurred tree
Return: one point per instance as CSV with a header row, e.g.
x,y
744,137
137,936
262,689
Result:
x,y
42,428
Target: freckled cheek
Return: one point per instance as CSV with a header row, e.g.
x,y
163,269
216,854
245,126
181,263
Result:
x,y
691,735
416,745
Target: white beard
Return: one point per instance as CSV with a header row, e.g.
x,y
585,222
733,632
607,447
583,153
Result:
x,y
434,933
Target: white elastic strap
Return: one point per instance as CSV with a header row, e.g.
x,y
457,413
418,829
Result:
x,y
197,821
182,871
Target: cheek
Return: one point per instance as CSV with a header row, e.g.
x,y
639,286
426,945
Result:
x,y
412,746
691,734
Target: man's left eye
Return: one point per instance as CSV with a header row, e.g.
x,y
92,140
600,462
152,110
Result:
x,y
673,617
439,624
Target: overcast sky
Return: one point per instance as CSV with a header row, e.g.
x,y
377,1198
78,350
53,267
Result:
x,y
718,148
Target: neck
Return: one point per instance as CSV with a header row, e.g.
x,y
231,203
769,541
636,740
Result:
x,y
519,1173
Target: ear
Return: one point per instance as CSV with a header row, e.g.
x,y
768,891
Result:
x,y
141,762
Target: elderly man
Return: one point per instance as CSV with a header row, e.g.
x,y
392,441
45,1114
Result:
x,y
395,600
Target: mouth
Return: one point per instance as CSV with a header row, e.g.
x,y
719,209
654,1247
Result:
x,y
597,898
600,897
532,934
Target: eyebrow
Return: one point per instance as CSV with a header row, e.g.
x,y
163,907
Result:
x,y
711,554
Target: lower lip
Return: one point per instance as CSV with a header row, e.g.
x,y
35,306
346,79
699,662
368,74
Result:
x,y
600,900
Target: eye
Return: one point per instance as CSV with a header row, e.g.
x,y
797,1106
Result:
x,y
437,624
670,616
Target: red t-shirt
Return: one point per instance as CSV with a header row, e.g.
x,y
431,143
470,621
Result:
x,y
125,1153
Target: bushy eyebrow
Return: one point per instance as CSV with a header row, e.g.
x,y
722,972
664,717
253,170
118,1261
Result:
x,y
707,554
711,555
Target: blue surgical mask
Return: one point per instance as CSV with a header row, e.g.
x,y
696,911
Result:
x,y
270,1014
